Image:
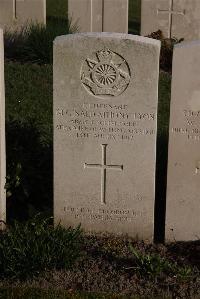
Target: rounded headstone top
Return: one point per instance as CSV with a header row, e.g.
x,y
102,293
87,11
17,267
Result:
x,y
109,35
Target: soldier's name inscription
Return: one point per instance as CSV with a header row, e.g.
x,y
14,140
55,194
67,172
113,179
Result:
x,y
104,121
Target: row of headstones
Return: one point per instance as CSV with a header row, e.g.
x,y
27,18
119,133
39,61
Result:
x,y
175,18
17,13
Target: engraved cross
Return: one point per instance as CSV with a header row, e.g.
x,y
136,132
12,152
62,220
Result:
x,y
170,12
103,166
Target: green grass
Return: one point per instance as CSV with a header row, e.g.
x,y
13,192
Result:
x,y
57,8
29,89
134,16
29,139
34,43
153,266
30,248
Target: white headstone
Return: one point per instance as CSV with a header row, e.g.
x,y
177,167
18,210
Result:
x,y
105,108
2,137
7,12
99,15
175,18
183,188
31,10
17,13
86,15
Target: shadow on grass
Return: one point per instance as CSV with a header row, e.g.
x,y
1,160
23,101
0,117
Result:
x,y
29,172
161,184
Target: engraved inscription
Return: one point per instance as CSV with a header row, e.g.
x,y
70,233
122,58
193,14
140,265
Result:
x,y
189,130
102,214
105,74
104,122
103,166
191,127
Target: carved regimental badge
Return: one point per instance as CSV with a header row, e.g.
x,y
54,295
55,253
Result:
x,y
105,74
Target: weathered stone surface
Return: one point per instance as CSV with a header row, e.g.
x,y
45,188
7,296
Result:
x,y
6,12
99,15
115,16
183,205
16,13
86,15
2,136
31,10
105,107
175,18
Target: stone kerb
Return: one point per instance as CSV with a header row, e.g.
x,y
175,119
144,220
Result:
x,y
2,137
183,184
105,111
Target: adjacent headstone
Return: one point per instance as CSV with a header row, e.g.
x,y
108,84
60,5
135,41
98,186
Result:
x,y
183,188
105,108
115,17
2,137
175,18
86,15
7,12
31,10
99,15
17,13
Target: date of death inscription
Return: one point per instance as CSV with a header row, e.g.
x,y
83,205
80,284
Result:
x,y
104,122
